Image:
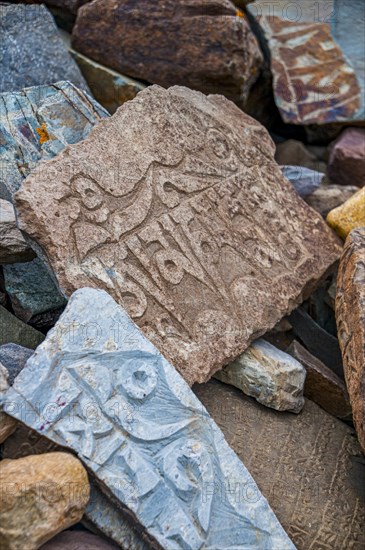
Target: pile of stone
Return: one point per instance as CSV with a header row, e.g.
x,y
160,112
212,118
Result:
x,y
182,292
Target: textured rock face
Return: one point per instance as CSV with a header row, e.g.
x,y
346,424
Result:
x,y
13,247
148,441
304,180
110,89
31,50
13,358
78,540
36,124
346,164
328,197
205,46
348,216
350,316
13,330
309,466
322,385
269,375
40,497
175,206
31,289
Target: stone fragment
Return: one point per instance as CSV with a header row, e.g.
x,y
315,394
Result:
x,y
350,316
31,50
313,81
322,385
13,247
304,180
327,197
175,206
7,423
147,439
269,375
13,358
110,89
31,289
294,153
13,330
206,46
319,342
349,215
78,540
36,124
346,164
309,466
40,496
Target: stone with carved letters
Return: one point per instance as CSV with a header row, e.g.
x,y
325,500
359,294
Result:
x,y
350,317
100,388
176,207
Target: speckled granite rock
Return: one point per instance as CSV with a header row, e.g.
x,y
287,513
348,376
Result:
x,y
31,50
304,180
13,247
13,330
13,357
346,164
36,124
145,431
176,207
271,376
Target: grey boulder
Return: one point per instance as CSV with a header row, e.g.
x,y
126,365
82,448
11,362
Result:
x,y
304,180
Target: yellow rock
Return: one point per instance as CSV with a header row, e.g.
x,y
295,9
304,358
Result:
x,y
349,215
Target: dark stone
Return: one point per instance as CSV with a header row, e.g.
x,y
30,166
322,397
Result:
x,y
346,164
13,330
78,540
13,357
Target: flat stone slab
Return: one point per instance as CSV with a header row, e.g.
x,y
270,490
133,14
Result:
x,y
350,317
37,123
13,247
134,422
176,207
309,466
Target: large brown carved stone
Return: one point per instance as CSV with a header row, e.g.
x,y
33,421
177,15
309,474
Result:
x,y
176,207
350,316
206,45
308,466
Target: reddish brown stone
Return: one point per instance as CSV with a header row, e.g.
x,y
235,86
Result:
x,y
205,45
322,385
350,316
346,164
176,207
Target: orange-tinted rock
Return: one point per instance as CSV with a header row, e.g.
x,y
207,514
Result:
x,y
350,316
346,164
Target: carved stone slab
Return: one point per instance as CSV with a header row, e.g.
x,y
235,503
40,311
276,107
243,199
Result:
x,y
37,123
103,390
176,207
309,466
350,317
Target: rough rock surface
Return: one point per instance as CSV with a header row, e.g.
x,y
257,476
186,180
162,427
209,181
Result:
x,y
175,206
205,46
350,316
78,540
13,247
346,164
13,357
31,50
110,89
328,197
41,496
31,289
304,180
13,330
147,439
269,375
7,423
294,153
65,5
348,216
36,124
309,466
322,385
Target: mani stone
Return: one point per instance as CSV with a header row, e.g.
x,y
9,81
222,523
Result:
x,y
13,330
31,289
304,180
31,50
350,316
136,425
13,247
36,124
322,385
40,496
206,46
78,540
346,165
348,216
327,197
309,466
176,207
272,377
